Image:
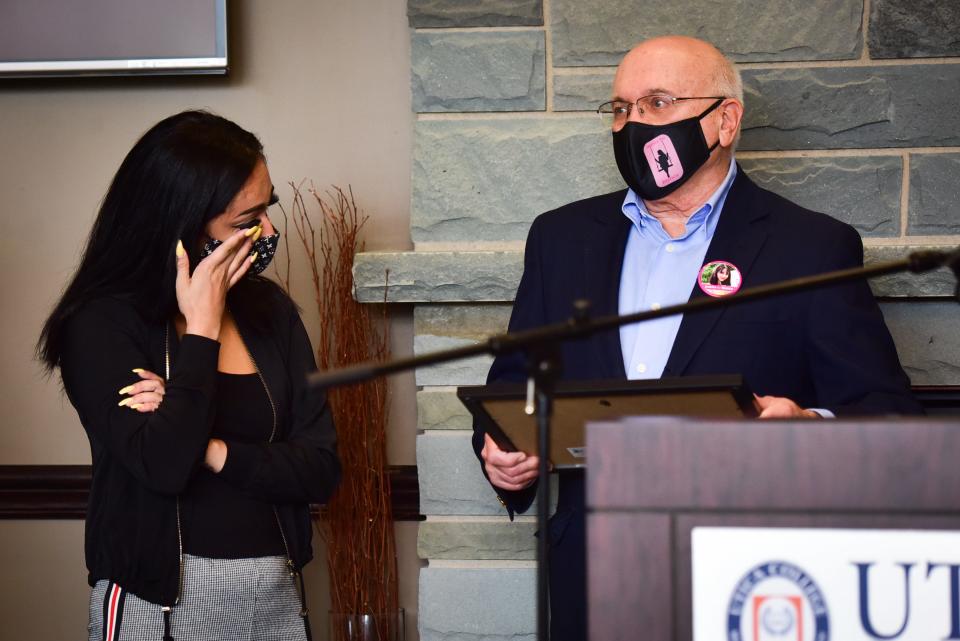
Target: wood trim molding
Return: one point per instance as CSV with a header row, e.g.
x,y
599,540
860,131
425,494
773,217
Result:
x,y
60,492
939,399
44,491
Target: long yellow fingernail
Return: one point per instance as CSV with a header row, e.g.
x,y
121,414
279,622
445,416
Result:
x,y
137,370
136,406
124,402
253,257
257,235
180,250
249,231
126,390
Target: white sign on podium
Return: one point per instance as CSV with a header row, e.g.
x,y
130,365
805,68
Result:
x,y
782,584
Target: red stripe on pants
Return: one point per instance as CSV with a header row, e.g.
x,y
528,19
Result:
x,y
114,598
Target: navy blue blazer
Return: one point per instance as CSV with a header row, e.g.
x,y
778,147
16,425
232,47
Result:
x,y
827,348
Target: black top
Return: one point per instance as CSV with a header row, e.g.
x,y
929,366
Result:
x,y
221,521
142,462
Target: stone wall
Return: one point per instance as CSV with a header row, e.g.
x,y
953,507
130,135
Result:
x,y
851,108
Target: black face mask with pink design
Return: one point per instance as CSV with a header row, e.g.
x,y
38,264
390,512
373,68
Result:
x,y
655,160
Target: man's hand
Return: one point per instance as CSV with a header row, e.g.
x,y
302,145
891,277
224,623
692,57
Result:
x,y
508,470
780,407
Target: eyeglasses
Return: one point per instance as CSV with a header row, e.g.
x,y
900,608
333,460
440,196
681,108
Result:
x,y
616,112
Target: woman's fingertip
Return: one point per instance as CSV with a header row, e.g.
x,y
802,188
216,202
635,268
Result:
x,y
181,252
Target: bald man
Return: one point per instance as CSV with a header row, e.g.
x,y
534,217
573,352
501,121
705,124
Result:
x,y
691,224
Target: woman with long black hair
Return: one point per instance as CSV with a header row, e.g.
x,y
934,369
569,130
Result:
x,y
188,373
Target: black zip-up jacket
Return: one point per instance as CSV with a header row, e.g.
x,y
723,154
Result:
x,y
143,461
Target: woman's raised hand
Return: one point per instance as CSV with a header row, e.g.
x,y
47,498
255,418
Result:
x,y
202,295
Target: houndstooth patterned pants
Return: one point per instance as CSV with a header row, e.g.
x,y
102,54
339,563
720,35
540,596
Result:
x,y
222,600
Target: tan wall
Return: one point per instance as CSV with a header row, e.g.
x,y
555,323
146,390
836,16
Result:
x,y
326,86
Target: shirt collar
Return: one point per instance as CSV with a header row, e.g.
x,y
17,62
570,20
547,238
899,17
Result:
x,y
706,216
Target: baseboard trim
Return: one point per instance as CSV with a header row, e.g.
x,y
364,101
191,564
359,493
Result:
x,y
61,492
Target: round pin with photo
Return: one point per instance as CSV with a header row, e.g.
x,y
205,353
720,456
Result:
x,y
719,278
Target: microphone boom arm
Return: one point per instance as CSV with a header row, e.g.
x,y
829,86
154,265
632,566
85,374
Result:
x,y
580,326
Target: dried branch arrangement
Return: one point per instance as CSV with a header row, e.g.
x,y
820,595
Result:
x,y
357,523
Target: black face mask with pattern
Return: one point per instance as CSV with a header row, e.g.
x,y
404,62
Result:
x,y
265,246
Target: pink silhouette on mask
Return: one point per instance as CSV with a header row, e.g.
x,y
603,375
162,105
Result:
x,y
663,160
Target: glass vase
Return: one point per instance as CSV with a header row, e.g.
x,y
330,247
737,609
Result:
x,y
384,626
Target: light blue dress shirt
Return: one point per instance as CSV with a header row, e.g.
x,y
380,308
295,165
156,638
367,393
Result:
x,y
659,271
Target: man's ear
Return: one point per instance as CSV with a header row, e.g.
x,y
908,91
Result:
x,y
731,114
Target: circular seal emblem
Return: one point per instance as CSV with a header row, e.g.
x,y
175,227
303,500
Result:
x,y
777,601
719,278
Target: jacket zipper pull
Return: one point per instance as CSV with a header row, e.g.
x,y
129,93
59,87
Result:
x,y
166,624
298,584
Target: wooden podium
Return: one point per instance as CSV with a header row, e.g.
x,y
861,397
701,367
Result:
x,y
651,480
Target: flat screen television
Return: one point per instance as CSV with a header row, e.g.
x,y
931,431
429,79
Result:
x,y
112,37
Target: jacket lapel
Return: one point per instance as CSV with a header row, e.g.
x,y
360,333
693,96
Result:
x,y
602,265
736,240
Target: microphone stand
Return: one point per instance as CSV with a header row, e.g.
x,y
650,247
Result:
x,y
544,367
